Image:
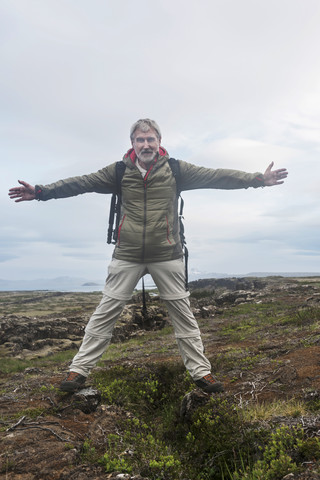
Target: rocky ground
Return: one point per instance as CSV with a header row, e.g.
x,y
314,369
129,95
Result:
x,y
43,431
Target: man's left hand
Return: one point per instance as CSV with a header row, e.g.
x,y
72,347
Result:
x,y
274,177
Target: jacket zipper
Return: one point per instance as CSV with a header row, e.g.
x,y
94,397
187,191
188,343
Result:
x,y
144,222
145,213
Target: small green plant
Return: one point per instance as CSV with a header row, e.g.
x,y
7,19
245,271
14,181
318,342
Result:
x,y
137,389
68,446
89,453
211,437
279,455
313,402
30,412
138,449
115,464
304,316
167,465
49,389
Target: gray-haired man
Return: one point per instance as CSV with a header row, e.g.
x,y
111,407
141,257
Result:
x,y
148,242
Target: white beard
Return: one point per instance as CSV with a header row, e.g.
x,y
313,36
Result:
x,y
147,157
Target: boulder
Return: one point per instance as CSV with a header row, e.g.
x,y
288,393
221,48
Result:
x,y
87,399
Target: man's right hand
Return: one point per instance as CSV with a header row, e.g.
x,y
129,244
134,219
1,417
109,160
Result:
x,y
24,193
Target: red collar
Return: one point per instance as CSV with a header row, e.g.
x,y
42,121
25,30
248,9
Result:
x,y
132,154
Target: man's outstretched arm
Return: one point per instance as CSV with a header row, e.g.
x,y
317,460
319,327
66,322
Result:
x,y
194,177
274,177
24,193
102,181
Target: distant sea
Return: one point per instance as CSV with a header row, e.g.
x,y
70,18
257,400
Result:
x,y
71,284
62,284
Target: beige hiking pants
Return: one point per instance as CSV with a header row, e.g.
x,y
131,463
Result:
x,y
123,277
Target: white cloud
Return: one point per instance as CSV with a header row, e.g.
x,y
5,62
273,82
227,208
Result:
x,y
232,84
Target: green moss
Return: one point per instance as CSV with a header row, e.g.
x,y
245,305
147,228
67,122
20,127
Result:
x,y
14,365
30,412
239,358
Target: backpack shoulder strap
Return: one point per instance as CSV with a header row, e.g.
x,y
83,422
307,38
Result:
x,y
115,205
120,168
175,167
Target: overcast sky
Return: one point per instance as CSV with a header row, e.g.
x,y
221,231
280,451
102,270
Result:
x,y
232,83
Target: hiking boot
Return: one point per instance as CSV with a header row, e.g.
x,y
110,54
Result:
x,y
209,384
74,381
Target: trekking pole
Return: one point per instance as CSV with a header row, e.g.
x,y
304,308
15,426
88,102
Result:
x,y
144,302
111,217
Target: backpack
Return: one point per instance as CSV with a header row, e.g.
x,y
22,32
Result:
x,y
115,207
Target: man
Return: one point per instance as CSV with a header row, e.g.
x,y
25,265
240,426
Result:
x,y
148,242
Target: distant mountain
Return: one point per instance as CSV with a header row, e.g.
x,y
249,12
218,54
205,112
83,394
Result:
x,y
73,284
280,274
57,284
195,275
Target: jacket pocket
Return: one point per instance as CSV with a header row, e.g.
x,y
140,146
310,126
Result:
x,y
119,229
168,230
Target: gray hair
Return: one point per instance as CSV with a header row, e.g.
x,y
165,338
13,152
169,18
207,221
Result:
x,y
145,124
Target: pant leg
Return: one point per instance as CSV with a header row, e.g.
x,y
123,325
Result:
x,y
122,279
170,280
188,338
98,334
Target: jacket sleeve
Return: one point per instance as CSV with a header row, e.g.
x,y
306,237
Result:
x,y
103,181
194,177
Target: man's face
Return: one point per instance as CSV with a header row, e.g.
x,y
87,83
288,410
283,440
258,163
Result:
x,y
146,145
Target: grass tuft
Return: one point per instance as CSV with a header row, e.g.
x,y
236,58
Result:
x,y
9,365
